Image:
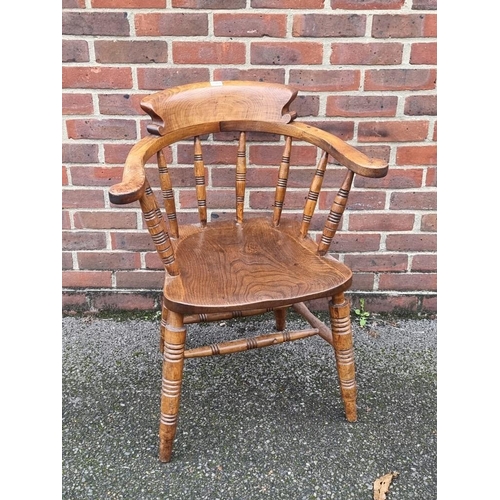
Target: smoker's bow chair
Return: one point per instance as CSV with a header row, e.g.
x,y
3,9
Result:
x,y
253,263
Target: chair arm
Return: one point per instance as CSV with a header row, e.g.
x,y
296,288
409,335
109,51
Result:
x,y
132,185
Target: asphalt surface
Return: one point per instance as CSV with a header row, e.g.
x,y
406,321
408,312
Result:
x,y
262,424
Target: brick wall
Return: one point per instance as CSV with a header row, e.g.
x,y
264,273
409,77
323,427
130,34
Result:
x,y
368,67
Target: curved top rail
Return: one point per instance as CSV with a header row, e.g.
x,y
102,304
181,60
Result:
x,y
192,104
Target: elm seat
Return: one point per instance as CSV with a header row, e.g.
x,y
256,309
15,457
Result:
x,y
229,267
260,259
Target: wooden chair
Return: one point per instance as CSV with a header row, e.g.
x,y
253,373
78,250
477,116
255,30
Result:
x,y
252,263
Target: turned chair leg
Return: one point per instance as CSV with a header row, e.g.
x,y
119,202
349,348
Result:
x,y
174,337
280,317
344,354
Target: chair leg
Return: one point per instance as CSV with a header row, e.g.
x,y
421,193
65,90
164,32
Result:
x,y
280,317
163,324
173,362
344,354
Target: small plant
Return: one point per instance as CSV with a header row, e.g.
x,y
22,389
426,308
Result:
x,y
361,314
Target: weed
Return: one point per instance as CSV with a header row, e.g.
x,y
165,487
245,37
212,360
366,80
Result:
x,y
361,314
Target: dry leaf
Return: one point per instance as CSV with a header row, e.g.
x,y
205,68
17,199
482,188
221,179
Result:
x,y
381,485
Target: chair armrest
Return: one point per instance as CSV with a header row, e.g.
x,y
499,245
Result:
x,y
344,153
132,185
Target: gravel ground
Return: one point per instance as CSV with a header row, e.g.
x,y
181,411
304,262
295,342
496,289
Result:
x,y
266,423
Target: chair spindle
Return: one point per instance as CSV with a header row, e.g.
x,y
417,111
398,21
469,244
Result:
x,y
168,195
199,172
312,197
241,173
158,230
336,211
282,182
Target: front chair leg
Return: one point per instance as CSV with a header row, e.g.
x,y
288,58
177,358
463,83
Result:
x,y
174,334
344,354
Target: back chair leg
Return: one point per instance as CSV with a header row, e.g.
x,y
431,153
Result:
x,y
344,354
174,335
280,317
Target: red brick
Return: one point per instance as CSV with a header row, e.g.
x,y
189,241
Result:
x,y
80,153
423,53
96,77
416,155
83,198
116,153
77,104
381,222
65,178
161,78
96,176
325,80
348,242
121,104
71,301
400,79
429,222
250,25
434,135
101,129
429,304
108,260
431,177
424,263
224,154
153,261
285,53
73,4
216,199
396,178
67,260
397,131
128,4
66,223
376,151
287,4
83,240
408,282
115,219
404,26
411,242
366,4
363,200
272,155
305,105
131,51
424,5
95,23
86,279
75,51
414,200
421,105
208,53
171,24
366,53
362,281
328,25
391,303
150,280
209,4
139,242
124,302
342,129
269,75
377,262
357,105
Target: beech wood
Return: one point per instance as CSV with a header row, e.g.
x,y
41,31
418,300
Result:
x,y
251,265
